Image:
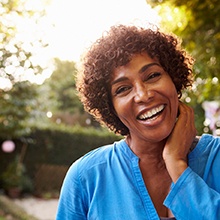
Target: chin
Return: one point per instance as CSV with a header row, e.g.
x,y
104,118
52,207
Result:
x,y
165,135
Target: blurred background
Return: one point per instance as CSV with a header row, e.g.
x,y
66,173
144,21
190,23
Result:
x,y
43,127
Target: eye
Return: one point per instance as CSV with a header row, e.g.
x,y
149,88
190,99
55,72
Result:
x,y
154,75
121,89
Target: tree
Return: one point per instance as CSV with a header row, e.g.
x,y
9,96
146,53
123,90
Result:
x,y
62,87
197,23
62,99
18,64
18,50
17,109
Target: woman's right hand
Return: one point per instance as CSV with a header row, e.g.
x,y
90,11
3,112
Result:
x,y
179,142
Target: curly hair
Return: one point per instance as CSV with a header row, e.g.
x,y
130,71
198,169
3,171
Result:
x,y
116,48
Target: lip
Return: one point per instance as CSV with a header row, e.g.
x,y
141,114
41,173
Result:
x,y
146,111
153,120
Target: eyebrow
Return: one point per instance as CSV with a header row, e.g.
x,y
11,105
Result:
x,y
142,70
145,67
118,80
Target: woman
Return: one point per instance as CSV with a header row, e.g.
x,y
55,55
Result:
x,y
132,80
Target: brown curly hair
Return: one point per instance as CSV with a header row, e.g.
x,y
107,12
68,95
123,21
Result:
x,y
116,48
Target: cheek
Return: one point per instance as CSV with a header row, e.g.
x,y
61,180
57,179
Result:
x,y
120,109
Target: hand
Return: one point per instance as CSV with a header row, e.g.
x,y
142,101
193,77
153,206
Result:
x,y
179,142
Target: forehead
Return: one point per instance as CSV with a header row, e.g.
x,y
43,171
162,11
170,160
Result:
x,y
138,64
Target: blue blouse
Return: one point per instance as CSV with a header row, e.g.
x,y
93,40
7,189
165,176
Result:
x,y
107,184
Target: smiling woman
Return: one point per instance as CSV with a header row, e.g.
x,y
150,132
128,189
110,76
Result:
x,y
116,50
132,80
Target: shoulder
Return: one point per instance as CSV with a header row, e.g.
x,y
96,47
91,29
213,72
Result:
x,y
102,154
204,158
205,145
96,158
209,141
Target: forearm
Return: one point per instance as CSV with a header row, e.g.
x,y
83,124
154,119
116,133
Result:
x,y
192,198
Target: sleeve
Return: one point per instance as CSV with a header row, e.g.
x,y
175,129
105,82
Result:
x,y
71,205
191,198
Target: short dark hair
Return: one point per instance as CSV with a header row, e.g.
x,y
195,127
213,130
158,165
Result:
x,y
116,48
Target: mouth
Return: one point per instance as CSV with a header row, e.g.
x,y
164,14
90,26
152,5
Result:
x,y
152,114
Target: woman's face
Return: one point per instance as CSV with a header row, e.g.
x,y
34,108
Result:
x,y
145,98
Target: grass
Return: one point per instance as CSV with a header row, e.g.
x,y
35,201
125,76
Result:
x,y
9,210
6,216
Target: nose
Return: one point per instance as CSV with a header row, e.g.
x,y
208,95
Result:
x,y
142,93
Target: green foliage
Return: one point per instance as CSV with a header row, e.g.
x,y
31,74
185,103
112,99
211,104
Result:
x,y
62,145
58,146
59,96
17,52
62,88
18,96
17,110
15,176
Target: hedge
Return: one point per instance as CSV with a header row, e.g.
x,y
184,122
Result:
x,y
63,146
57,145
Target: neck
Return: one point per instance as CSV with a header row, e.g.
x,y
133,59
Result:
x,y
150,151
149,154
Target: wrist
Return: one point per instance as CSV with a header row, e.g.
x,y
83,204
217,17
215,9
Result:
x,y
175,168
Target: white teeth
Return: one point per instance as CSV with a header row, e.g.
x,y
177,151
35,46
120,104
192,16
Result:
x,y
152,112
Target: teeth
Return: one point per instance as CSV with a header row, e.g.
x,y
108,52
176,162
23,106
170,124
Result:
x,y
152,112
